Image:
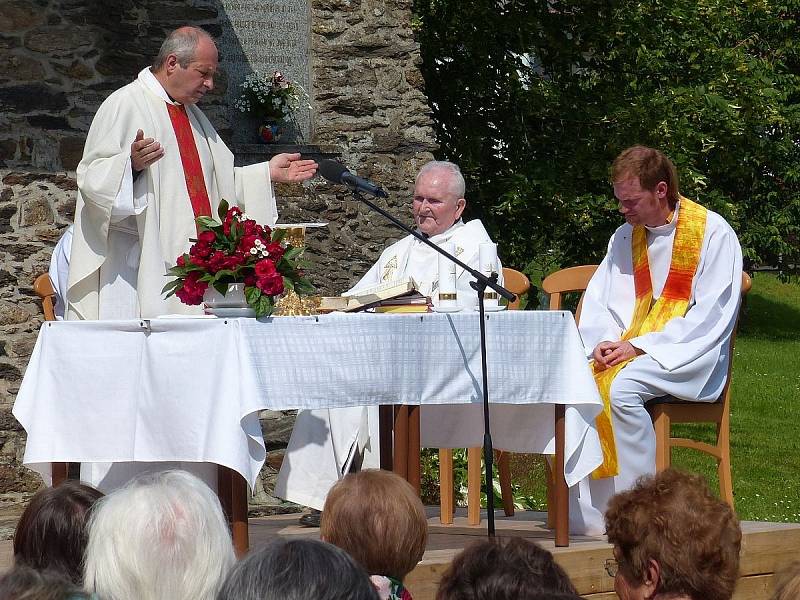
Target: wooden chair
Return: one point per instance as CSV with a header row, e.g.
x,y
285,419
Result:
x,y
519,284
667,410
44,289
571,279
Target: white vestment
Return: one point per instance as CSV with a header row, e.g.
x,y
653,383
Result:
x,y
59,271
130,230
325,442
687,359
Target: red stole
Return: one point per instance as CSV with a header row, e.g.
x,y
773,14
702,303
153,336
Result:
x,y
190,159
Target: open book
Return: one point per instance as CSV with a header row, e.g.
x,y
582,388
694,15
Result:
x,y
394,291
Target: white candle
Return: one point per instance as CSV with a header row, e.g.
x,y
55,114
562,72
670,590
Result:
x,y
447,277
487,259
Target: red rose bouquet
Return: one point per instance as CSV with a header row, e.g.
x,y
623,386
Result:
x,y
238,250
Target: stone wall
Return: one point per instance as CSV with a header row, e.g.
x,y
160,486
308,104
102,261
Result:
x,y
60,59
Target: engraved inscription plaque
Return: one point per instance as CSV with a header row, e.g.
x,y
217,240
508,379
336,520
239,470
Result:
x,y
264,36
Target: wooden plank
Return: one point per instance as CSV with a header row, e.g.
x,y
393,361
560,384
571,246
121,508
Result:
x,y
423,581
757,587
768,547
586,567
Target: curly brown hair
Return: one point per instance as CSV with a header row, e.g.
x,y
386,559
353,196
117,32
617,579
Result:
x,y
674,519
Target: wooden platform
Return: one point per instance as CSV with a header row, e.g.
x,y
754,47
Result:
x,y
766,548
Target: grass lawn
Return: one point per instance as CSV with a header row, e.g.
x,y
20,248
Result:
x,y
765,414
765,409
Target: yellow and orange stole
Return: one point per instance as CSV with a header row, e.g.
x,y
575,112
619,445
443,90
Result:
x,y
648,316
190,159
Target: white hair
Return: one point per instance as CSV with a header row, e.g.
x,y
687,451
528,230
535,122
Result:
x,y
161,537
456,185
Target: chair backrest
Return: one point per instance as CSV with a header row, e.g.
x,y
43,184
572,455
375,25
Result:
x,y
44,289
515,282
747,283
571,279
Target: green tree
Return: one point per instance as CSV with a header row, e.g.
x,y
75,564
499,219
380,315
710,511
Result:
x,y
535,98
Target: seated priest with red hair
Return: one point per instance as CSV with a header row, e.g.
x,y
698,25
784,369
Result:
x,y
657,320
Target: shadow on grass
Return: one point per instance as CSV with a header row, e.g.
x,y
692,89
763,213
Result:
x,y
766,318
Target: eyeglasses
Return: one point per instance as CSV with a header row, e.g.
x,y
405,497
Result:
x,y
612,567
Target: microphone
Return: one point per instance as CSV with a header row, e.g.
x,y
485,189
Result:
x,y
337,173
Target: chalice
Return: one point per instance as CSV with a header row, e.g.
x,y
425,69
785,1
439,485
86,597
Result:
x,y
290,304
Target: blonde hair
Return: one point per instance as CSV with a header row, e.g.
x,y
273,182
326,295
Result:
x,y
377,518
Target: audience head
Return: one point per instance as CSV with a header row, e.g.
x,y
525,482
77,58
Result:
x,y
297,569
673,539
161,536
378,519
24,583
438,197
503,569
51,534
787,583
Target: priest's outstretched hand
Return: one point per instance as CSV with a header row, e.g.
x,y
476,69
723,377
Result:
x,y
290,168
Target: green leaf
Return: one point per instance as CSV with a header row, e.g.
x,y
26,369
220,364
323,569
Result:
x,y
278,234
172,286
292,252
303,287
222,210
207,222
252,294
265,306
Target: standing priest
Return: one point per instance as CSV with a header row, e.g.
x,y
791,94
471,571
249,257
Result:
x,y
657,320
325,442
152,164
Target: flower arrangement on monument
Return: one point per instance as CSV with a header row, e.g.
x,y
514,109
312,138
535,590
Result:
x,y
236,249
271,101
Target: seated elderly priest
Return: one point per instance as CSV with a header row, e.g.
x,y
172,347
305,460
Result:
x,y
657,320
325,443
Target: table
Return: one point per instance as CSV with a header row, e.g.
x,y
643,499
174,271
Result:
x,y
190,389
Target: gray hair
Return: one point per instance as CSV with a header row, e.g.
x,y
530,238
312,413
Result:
x,y
456,185
298,569
183,44
161,536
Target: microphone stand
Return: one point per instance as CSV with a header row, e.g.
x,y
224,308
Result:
x,y
479,285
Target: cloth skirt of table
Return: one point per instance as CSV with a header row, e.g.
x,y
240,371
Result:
x,y
191,389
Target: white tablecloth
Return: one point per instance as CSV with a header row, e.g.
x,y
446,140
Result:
x,y
191,389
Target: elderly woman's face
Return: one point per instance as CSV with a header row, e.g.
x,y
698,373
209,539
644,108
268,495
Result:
x,y
630,590
626,590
